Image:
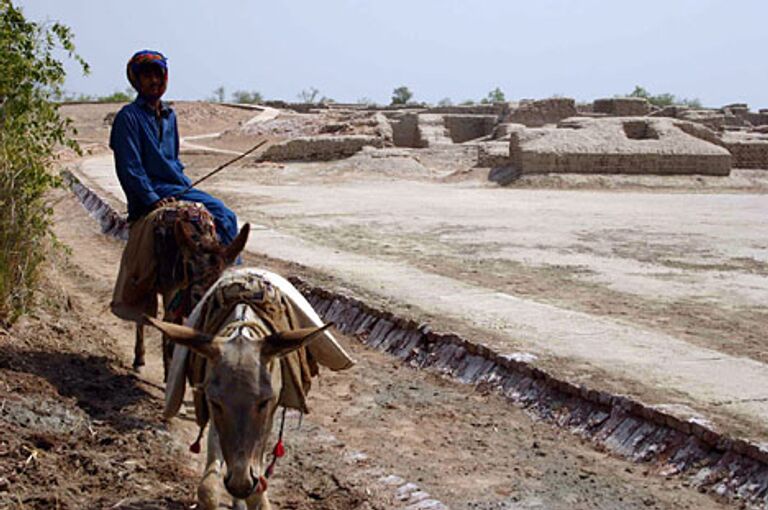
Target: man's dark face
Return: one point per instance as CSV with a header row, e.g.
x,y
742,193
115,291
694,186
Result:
x,y
152,81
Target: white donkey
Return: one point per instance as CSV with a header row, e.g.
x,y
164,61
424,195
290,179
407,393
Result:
x,y
242,385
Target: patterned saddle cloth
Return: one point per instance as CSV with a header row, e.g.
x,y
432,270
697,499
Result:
x,y
152,260
277,302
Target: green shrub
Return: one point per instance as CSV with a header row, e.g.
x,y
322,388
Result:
x,y
494,96
245,97
30,131
665,99
402,95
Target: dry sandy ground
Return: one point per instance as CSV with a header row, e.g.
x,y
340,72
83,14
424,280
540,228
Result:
x,y
80,431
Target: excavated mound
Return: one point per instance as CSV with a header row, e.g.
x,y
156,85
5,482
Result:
x,y
618,145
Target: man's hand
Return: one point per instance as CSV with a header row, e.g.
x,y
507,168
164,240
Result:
x,y
163,202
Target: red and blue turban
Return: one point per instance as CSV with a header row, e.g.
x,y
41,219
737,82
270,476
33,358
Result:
x,y
142,59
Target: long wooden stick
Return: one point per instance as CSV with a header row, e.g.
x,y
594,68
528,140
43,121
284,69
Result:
x,y
222,167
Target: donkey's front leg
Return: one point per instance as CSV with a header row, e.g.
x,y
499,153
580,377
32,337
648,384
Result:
x,y
208,489
138,348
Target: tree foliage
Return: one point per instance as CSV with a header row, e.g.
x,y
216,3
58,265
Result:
x,y
665,99
246,97
402,95
494,96
30,130
219,95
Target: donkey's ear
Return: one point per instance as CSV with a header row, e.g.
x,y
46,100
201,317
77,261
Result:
x,y
280,344
202,343
236,246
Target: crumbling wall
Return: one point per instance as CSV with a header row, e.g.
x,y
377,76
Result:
x,y
749,150
589,145
432,130
320,148
542,112
493,154
497,109
503,130
404,130
622,106
462,128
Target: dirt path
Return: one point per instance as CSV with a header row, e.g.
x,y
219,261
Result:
x,y
379,436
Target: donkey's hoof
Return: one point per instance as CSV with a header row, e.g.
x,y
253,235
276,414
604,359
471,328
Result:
x,y
137,364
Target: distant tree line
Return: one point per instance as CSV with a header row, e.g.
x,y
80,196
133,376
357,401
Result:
x,y
665,99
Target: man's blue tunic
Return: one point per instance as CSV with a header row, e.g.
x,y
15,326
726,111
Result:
x,y
146,150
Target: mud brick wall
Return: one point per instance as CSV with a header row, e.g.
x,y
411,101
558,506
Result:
x,y
497,109
622,106
531,162
432,130
320,148
493,154
749,154
619,145
542,112
404,130
462,128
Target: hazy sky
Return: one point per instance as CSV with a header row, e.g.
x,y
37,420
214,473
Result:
x,y
714,50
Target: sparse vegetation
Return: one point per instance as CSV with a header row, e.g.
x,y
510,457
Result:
x,y
116,97
494,96
312,96
219,95
245,97
30,129
402,95
665,99
367,101
446,101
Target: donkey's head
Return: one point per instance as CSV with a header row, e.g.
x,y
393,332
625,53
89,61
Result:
x,y
242,385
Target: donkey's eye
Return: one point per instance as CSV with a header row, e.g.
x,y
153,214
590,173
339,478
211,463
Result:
x,y
263,405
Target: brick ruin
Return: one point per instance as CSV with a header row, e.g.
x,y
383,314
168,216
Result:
x,y
610,135
618,145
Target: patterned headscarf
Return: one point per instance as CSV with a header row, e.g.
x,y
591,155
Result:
x,y
143,58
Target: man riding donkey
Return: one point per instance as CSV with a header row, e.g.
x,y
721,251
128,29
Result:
x,y
145,142
270,322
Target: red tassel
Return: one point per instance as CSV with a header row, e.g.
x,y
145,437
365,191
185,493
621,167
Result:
x,y
279,449
195,447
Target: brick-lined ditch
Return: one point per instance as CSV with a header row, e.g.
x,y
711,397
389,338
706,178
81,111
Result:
x,y
733,468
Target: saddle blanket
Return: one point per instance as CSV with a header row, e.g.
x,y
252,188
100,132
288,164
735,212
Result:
x,y
235,286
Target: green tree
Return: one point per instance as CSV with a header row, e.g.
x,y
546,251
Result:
x,y
219,95
402,95
446,101
245,97
665,99
494,96
30,131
